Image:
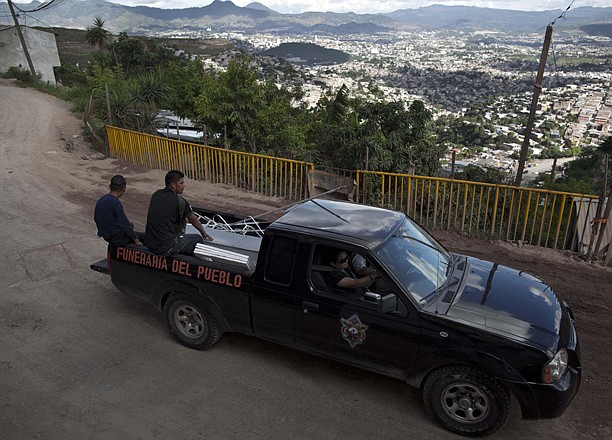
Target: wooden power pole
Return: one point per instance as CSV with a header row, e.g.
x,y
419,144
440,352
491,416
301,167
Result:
x,y
23,43
534,103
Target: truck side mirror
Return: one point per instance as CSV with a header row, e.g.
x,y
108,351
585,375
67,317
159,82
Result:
x,y
387,303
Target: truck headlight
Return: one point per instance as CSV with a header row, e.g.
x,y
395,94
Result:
x,y
555,368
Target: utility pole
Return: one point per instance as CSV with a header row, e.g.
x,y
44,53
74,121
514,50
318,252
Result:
x,y
23,43
452,173
553,171
600,225
534,103
109,113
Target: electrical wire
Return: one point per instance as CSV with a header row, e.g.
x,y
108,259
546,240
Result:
x,y
44,6
556,72
562,14
40,21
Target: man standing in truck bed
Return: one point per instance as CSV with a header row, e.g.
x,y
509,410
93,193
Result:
x,y
166,219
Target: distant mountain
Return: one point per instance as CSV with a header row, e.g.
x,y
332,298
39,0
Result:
x,y
217,9
260,7
351,28
602,30
361,28
225,16
308,53
470,18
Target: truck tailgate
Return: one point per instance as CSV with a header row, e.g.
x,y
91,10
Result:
x,y
100,266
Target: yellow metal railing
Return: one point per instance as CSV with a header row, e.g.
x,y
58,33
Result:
x,y
538,217
266,175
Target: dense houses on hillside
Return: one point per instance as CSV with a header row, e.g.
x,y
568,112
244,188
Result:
x,y
451,72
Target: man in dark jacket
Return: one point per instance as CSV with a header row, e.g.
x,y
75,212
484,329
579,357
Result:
x,y
112,223
168,212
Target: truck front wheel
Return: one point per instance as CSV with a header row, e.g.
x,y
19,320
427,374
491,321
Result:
x,y
190,321
466,400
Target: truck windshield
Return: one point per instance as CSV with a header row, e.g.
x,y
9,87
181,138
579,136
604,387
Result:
x,y
420,263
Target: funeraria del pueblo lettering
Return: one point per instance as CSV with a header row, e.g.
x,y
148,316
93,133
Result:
x,y
217,276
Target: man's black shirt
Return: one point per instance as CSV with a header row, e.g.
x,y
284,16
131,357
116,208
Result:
x,y
164,220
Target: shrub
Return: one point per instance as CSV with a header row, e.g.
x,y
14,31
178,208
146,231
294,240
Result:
x,y
19,74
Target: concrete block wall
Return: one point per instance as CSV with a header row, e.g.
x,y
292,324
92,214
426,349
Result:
x,y
41,45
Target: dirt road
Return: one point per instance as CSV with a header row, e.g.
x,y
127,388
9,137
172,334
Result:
x,y
78,359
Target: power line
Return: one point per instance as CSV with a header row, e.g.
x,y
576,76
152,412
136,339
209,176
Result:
x,y
22,40
44,6
40,21
562,14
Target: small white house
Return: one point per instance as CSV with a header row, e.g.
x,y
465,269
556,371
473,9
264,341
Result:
x,y
41,46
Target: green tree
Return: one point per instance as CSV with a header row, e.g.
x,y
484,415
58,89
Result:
x,y
590,168
135,102
129,53
149,92
392,136
474,173
187,80
98,79
96,35
231,101
463,133
339,107
138,54
279,125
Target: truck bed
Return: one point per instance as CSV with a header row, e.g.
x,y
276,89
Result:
x,y
236,241
228,246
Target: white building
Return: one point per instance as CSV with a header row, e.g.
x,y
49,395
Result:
x,y
41,46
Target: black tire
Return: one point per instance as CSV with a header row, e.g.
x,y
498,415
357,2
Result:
x,y
191,322
466,401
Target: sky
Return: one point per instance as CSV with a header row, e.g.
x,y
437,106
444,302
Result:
x,y
367,6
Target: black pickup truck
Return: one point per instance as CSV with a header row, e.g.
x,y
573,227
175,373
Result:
x,y
467,332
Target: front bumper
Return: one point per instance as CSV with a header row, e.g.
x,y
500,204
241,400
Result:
x,y
543,401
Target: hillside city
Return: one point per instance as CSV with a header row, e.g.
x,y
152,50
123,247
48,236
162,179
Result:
x,y
453,71
482,78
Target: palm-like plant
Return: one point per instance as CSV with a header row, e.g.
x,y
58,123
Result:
x,y
148,91
339,107
96,35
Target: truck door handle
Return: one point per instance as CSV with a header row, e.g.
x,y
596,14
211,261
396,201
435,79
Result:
x,y
309,306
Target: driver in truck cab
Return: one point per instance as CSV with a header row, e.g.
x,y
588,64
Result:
x,y
344,278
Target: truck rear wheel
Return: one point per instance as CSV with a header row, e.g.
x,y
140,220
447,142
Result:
x,y
191,322
466,401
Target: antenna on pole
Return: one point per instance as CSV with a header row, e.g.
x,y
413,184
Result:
x,y
23,43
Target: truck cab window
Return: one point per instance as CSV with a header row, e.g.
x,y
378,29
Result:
x,y
331,267
279,264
